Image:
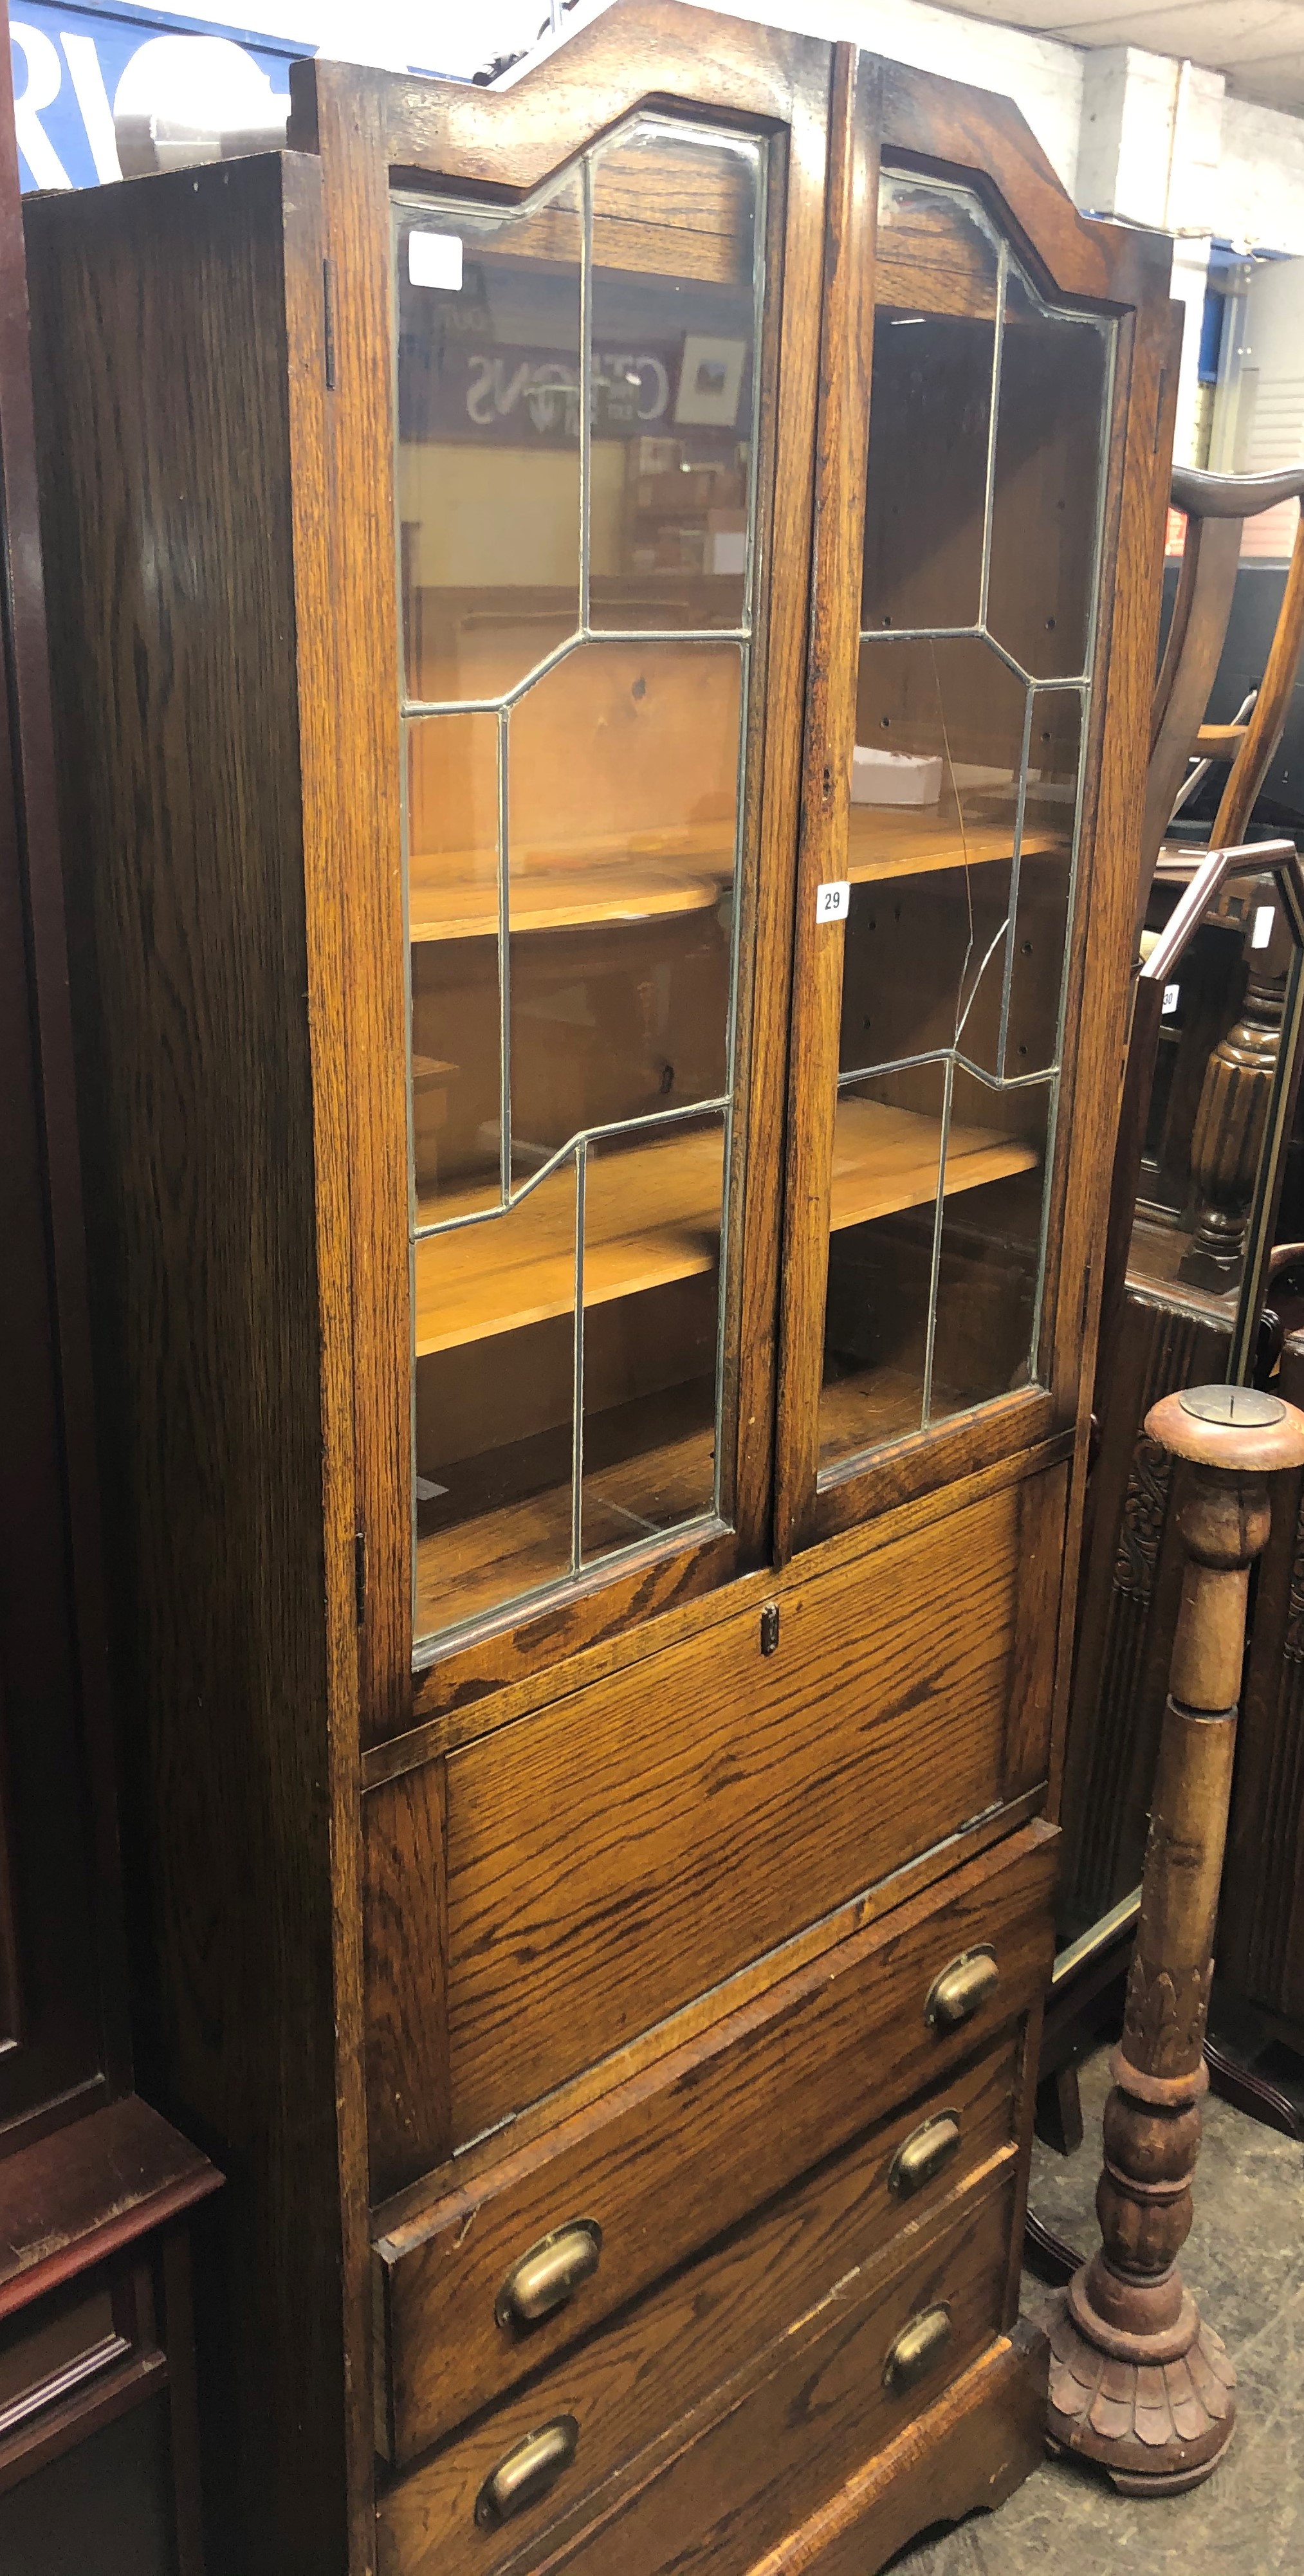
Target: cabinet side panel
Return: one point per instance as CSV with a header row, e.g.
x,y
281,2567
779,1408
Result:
x,y
161,373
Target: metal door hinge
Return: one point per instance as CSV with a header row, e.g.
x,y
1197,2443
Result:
x,y
360,1575
328,325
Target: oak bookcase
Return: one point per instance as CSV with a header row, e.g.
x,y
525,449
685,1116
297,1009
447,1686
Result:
x,y
593,1231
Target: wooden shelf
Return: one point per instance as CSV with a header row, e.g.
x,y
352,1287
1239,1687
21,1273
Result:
x,y
466,907
454,894
887,841
474,1552
653,1215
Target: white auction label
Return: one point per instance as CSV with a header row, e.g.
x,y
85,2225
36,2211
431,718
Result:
x,y
833,902
1172,995
435,259
1264,916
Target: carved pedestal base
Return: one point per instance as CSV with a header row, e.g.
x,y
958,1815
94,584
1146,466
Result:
x,y
1137,2382
1156,2424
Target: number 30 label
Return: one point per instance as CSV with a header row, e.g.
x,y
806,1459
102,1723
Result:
x,y
832,902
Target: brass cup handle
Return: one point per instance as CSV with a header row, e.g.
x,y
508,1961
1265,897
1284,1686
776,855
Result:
x,y
961,1988
917,2348
924,2153
524,2476
549,2274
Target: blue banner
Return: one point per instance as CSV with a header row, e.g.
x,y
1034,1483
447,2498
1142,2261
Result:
x,y
76,66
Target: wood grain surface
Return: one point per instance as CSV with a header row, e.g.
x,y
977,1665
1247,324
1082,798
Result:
x,y
662,2176
174,554
659,2363
966,2454
99,2185
66,2043
652,1213
846,353
771,2445
632,1845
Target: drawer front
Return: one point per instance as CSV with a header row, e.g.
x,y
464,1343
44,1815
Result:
x,y
705,2349
696,2142
627,1848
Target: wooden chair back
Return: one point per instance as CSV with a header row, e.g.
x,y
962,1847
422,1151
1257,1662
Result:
x,y
1216,507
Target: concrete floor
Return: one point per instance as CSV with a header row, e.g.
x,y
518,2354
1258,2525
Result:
x,y
1244,2259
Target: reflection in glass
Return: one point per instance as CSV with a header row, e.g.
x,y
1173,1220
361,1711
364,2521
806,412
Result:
x,y
937,283
988,420
1048,467
673,350
1224,1031
488,395
575,529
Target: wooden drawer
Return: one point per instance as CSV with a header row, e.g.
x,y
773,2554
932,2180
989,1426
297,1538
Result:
x,y
691,2352
626,1848
698,2140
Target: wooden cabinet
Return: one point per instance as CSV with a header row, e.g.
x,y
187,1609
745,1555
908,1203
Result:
x,y
595,1179
98,2442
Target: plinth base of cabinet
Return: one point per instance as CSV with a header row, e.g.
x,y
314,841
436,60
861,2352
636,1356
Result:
x,y
967,2454
1154,2427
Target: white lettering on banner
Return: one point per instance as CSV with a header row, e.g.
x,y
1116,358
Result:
x,y
93,100
44,77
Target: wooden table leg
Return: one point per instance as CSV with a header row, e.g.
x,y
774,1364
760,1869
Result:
x,y
1138,2382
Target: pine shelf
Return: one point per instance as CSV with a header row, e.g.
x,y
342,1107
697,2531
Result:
x,y
454,894
653,1215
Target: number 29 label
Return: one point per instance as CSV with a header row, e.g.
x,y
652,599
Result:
x,y
833,902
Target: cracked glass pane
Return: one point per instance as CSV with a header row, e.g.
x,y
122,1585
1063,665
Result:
x,y
940,728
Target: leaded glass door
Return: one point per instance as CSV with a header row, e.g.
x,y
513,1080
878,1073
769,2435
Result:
x,y
577,394
943,872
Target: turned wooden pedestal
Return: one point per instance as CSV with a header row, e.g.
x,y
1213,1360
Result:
x,y
1139,2382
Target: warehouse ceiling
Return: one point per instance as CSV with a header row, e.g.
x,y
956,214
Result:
x,y
1259,44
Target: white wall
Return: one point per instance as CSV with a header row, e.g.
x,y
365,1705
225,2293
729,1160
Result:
x,y
1193,159
1186,155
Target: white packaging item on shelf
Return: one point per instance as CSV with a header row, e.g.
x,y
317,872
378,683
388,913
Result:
x,y
894,777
